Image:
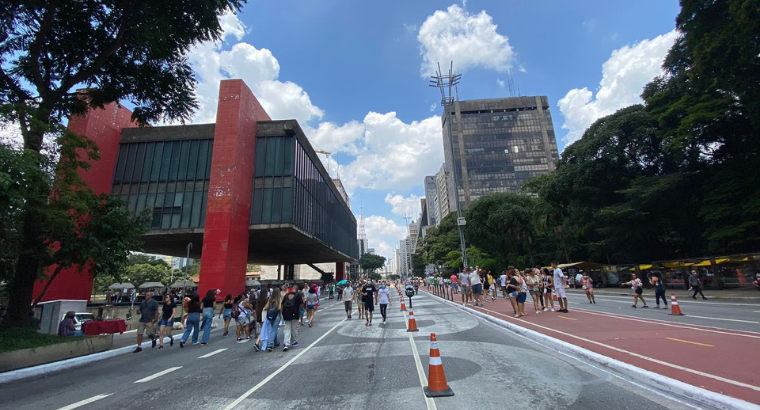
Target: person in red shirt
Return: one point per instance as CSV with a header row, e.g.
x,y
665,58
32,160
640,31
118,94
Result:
x,y
454,287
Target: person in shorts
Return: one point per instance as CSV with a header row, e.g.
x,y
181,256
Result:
x,y
454,287
167,321
348,300
560,283
148,311
369,296
464,286
477,286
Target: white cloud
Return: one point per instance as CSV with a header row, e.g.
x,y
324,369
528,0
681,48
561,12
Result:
x,y
433,106
500,83
331,137
470,40
383,234
624,75
522,69
404,206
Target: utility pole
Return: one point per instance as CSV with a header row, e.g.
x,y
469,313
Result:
x,y
445,83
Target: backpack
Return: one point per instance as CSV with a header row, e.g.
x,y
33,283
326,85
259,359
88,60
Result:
x,y
289,307
235,313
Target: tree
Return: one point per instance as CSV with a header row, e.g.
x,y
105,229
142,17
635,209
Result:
x,y
375,276
371,263
122,50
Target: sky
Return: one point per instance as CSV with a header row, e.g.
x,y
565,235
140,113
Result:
x,y
355,75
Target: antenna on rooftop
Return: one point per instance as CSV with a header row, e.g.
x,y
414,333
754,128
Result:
x,y
445,83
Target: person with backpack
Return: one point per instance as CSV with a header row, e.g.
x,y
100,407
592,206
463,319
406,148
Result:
x,y
272,310
239,312
696,285
226,313
291,306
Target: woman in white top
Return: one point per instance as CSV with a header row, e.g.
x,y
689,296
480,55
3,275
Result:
x,y
533,283
384,299
638,288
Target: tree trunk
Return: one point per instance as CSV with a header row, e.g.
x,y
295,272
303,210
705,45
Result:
x,y
50,280
27,268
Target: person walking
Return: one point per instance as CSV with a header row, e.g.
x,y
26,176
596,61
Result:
x,y
696,285
384,299
369,292
348,300
291,304
167,321
659,290
476,287
534,283
148,312
523,294
273,309
547,283
503,279
192,321
311,306
209,308
258,307
588,287
513,291
244,317
226,313
638,289
492,284
560,283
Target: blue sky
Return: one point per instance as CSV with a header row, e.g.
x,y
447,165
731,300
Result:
x,y
354,74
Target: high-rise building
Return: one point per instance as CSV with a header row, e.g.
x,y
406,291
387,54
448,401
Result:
x,y
444,193
413,236
431,201
497,145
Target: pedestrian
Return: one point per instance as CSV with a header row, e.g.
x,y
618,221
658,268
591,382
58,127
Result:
x,y
340,294
476,286
331,291
638,289
311,306
273,309
464,285
537,272
167,321
696,285
659,290
245,314
209,308
192,321
523,295
302,308
384,299
560,283
503,283
148,311
227,313
369,293
534,283
588,287
291,304
454,287
547,283
348,300
513,291
492,283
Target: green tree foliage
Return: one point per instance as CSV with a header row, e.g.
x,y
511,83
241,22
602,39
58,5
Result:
x,y
119,50
371,263
375,276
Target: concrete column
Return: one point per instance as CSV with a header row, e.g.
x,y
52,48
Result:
x,y
340,271
225,238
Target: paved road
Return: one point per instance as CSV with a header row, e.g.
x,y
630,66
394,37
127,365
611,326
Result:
x,y
341,364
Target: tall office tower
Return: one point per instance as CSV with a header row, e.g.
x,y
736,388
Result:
x,y
497,145
413,236
431,200
444,187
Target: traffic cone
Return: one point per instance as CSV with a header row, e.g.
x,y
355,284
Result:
x,y
403,305
675,309
437,385
412,322
554,296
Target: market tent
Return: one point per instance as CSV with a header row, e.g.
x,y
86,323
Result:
x,y
580,265
645,267
183,284
125,285
148,285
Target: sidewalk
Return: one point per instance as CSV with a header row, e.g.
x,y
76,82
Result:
x,y
748,294
696,355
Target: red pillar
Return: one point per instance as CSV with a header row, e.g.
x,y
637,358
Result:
x,y
225,238
104,128
340,271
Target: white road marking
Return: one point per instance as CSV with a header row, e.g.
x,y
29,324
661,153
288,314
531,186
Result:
x,y
131,331
159,374
280,370
420,370
681,301
86,401
720,318
720,330
212,353
674,366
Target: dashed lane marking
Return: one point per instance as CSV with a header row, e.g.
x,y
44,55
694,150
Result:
x,y
720,318
689,342
567,318
420,370
85,401
212,353
159,374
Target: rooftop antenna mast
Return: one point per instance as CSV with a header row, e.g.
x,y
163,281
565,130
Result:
x,y
445,83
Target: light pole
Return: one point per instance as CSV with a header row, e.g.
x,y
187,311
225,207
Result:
x,y
184,282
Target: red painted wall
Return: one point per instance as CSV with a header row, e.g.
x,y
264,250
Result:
x,y
104,128
225,239
340,271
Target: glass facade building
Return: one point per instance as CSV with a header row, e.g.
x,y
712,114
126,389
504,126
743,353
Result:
x,y
497,145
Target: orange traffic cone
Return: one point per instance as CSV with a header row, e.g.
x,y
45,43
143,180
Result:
x,y
554,296
412,322
437,385
675,309
403,305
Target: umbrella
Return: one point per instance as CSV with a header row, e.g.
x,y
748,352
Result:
x,y
183,284
147,285
252,283
125,285
343,282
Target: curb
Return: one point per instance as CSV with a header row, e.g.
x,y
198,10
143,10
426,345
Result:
x,y
69,363
669,387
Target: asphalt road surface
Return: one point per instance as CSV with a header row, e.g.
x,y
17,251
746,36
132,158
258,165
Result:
x,y
342,364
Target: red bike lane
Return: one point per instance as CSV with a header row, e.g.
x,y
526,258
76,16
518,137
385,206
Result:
x,y
719,360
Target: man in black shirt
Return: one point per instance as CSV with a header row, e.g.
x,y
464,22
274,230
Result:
x,y
369,295
292,303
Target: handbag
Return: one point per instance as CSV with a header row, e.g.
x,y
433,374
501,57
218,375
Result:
x,y
272,314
